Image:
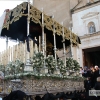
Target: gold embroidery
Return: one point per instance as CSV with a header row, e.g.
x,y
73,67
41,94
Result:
x,y
73,38
77,40
18,12
67,33
48,22
7,20
58,28
35,15
24,5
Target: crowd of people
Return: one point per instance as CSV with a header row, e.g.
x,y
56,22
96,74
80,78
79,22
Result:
x,y
92,76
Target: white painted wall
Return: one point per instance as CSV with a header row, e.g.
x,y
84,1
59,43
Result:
x,y
2,21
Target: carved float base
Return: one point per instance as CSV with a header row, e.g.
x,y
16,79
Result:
x,y
33,86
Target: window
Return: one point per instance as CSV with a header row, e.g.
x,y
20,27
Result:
x,y
91,27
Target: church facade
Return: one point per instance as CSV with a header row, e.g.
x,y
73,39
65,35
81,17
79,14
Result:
x,y
83,18
86,23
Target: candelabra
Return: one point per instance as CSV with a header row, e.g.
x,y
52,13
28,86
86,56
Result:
x,y
57,72
45,70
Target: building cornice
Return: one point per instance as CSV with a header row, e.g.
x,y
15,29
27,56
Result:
x,y
90,14
87,6
90,35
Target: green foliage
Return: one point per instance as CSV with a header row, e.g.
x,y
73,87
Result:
x,y
76,64
14,67
69,64
72,64
10,68
30,75
2,68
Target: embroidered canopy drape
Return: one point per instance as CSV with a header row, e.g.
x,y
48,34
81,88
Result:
x,y
35,15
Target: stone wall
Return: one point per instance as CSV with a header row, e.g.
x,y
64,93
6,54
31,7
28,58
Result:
x,y
59,8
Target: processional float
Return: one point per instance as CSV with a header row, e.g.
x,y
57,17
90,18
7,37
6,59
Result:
x,y
26,22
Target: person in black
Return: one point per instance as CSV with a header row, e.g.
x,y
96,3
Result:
x,y
87,84
95,74
84,73
87,72
93,77
97,86
97,71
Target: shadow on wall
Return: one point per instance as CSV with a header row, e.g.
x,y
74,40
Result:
x,y
61,54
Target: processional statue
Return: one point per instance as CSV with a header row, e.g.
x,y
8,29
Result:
x,y
26,22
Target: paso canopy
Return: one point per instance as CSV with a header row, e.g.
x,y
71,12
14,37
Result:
x,y
15,26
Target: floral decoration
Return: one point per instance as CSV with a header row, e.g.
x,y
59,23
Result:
x,y
37,61
14,67
50,63
61,66
72,66
2,68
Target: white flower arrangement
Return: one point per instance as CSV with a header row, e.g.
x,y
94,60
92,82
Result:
x,y
50,63
61,66
37,61
16,68
72,66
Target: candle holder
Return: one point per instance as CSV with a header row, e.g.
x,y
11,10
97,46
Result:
x,y
57,71
44,70
28,66
67,73
75,74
